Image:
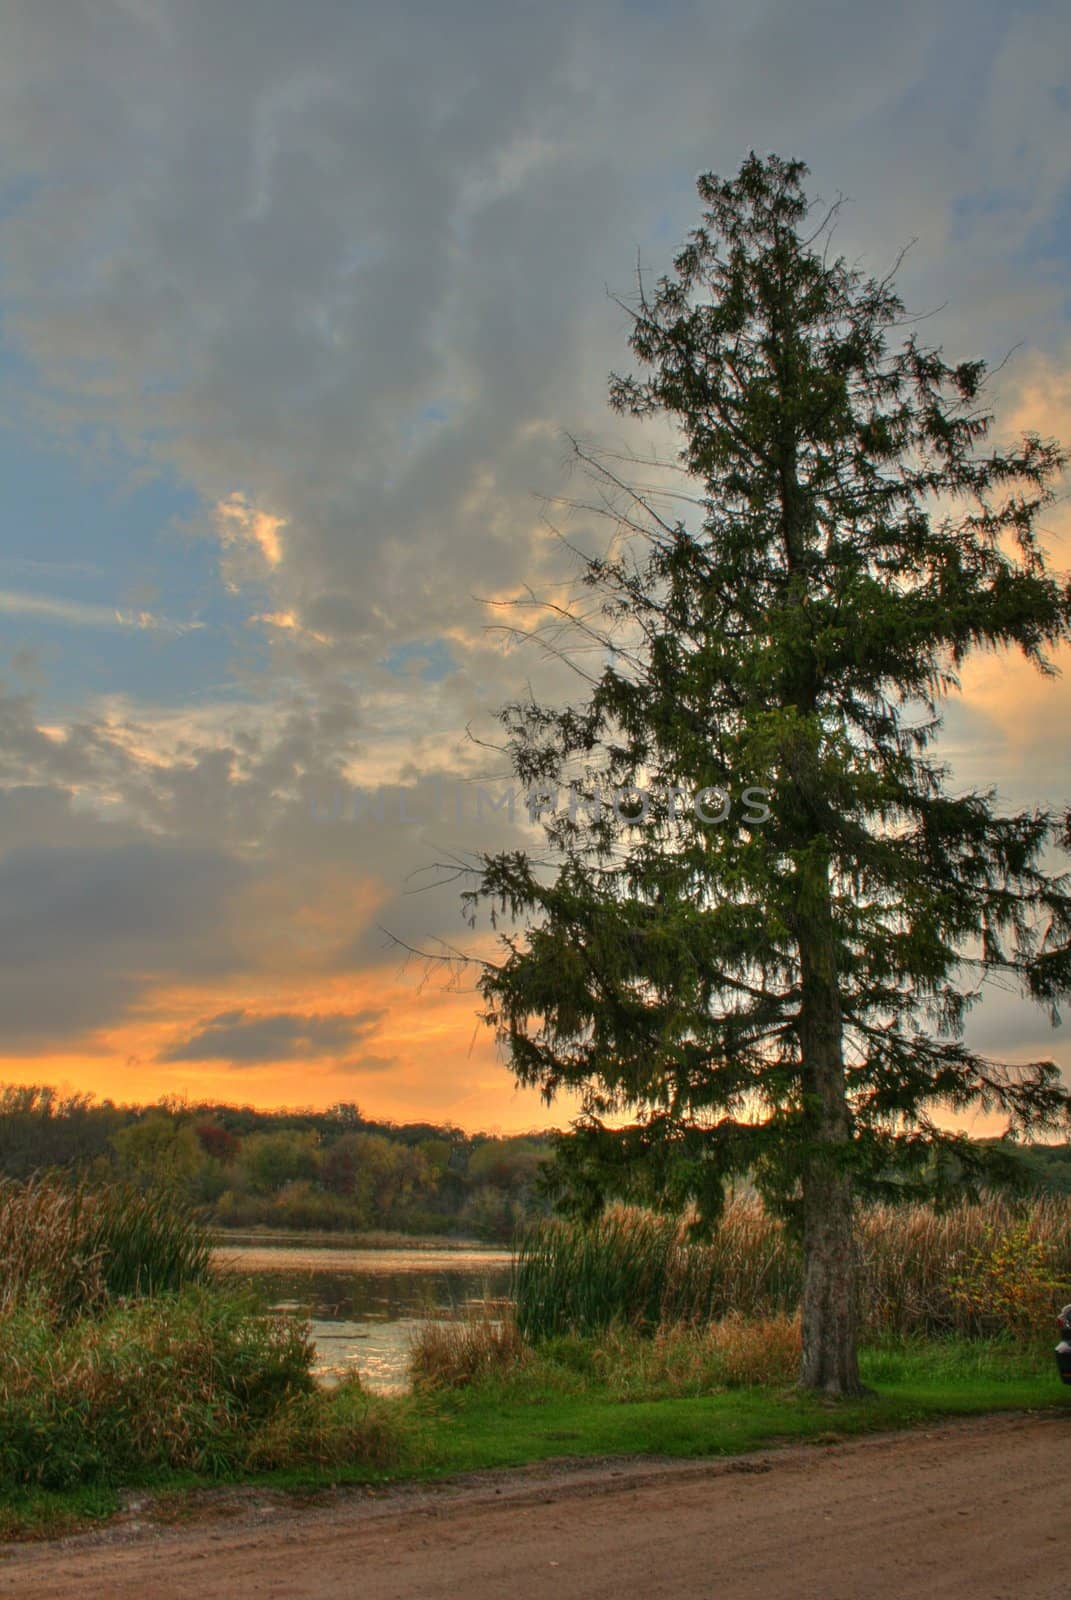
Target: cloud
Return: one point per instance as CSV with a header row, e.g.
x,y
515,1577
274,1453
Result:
x,y
88,929
241,1038
341,274
369,1064
349,285
83,614
251,540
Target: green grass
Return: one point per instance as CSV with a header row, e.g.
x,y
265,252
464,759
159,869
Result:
x,y
560,1405
45,1514
484,1433
555,1408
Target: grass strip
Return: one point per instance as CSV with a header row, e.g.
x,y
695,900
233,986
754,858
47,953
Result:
x,y
551,1412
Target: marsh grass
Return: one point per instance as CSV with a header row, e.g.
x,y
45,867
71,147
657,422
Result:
x,y
122,1359
177,1382
634,1268
974,1270
341,1427
77,1248
454,1352
622,1361
681,1361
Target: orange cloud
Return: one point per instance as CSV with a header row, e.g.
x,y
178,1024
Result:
x,y
420,1055
241,523
1031,711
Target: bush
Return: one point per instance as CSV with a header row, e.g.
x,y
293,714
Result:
x,y
336,1428
176,1382
1007,1284
119,1362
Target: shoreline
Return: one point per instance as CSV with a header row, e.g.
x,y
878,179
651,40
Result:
x,y
374,1239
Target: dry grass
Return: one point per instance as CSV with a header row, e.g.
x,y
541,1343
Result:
x,y
751,1352
75,1248
457,1352
637,1269
734,1353
916,1264
625,1364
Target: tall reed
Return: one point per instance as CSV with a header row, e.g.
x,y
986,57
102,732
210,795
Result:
x,y
634,1268
916,1262
79,1247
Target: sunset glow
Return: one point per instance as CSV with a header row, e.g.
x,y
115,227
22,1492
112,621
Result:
x,y
288,357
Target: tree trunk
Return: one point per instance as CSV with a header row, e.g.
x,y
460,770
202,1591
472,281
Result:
x,y
830,1311
830,1284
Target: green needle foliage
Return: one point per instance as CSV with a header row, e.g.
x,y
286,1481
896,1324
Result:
x,y
784,994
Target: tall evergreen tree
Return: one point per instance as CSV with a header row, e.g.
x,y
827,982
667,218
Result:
x,y
785,994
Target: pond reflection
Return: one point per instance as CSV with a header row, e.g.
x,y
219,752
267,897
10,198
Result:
x,y
365,1305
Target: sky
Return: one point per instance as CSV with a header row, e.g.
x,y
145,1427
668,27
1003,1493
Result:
x,y
298,304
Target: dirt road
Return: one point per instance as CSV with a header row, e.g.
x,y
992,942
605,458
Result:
x,y
975,1510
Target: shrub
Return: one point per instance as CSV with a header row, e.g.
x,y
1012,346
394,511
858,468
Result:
x,y
1007,1284
341,1427
179,1381
447,1355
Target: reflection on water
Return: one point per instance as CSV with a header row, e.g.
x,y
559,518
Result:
x,y
364,1305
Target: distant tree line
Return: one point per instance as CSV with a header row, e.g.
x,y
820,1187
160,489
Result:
x,y
302,1169
333,1170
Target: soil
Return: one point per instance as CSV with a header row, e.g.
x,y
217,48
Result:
x,y
972,1509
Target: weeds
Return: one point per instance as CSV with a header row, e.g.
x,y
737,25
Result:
x,y
340,1427
176,1382
682,1361
120,1362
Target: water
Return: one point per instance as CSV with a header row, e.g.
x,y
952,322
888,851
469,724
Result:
x,y
364,1305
